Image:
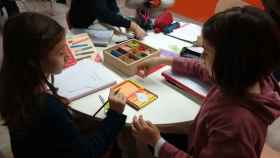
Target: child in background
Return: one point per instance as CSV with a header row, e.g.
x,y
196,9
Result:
x,y
83,13
34,113
244,99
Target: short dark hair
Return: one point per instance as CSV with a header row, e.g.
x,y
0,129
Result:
x,y
28,38
247,48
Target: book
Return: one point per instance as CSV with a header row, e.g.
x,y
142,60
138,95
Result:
x,y
82,79
189,85
80,45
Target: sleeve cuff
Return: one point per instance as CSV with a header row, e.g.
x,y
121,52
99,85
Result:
x,y
126,23
113,114
158,146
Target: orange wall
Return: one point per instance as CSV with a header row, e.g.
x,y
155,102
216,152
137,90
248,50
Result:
x,y
200,10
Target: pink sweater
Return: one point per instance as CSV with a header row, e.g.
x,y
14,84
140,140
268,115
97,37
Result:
x,y
224,128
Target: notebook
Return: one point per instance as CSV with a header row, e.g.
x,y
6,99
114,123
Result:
x,y
188,32
80,45
82,79
161,41
189,85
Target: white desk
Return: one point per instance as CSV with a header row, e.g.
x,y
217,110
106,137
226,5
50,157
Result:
x,y
171,107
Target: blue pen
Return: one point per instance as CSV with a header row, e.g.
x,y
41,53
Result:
x,y
103,105
79,45
101,99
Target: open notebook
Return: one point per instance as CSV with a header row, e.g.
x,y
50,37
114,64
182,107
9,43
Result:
x,y
188,32
82,79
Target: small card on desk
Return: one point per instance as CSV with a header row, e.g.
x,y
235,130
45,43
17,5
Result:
x,y
138,97
80,45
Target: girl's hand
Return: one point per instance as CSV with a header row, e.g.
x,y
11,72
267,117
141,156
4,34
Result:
x,y
117,101
146,65
145,131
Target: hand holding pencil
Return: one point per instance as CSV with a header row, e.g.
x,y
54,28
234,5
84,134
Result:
x,y
117,101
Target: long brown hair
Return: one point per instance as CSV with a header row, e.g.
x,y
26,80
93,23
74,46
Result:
x,y
28,38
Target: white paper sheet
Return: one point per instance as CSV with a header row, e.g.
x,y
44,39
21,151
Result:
x,y
82,79
188,32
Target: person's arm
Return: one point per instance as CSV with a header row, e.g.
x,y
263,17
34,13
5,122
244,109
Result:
x,y
190,67
223,5
180,65
227,138
70,143
104,14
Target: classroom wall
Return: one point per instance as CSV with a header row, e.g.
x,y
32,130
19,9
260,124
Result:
x,y
200,10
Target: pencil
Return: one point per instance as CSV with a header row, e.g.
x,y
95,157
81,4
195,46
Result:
x,y
100,109
116,92
184,40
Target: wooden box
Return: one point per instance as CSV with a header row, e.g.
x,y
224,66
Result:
x,y
128,55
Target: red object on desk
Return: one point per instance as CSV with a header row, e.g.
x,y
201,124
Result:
x,y
162,21
71,58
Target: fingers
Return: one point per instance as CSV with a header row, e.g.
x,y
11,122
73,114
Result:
x,y
116,96
139,124
143,69
134,130
111,93
142,122
150,124
121,98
